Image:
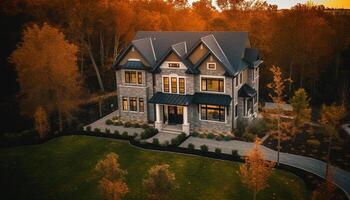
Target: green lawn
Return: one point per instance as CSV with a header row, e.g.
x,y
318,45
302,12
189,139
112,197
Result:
x,y
63,169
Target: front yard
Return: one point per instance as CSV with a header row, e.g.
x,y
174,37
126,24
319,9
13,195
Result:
x,y
63,169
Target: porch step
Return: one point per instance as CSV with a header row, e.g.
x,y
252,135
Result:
x,y
172,131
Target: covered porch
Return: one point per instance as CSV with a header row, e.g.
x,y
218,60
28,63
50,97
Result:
x,y
172,112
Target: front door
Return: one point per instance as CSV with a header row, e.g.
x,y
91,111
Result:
x,y
175,114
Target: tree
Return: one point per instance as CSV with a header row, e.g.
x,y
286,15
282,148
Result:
x,y
256,171
47,72
277,86
111,185
160,182
41,122
326,190
301,110
329,121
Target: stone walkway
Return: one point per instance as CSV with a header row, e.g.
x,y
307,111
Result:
x,y
101,124
317,167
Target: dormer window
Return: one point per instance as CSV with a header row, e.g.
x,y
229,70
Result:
x,y
174,65
211,66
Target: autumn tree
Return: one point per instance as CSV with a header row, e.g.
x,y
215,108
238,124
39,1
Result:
x,y
41,122
277,95
47,72
160,182
111,185
326,189
256,170
301,110
329,121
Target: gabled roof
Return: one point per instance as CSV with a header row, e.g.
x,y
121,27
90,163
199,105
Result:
x,y
228,47
133,64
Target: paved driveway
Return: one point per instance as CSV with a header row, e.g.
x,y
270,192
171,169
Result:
x,y
317,167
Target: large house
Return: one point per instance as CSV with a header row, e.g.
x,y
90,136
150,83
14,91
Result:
x,y
189,81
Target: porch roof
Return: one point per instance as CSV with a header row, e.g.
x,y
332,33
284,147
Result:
x,y
212,99
171,99
246,91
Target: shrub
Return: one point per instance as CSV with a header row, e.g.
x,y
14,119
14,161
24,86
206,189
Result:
x,y
88,128
136,125
117,123
108,131
201,136
178,140
248,137
135,135
80,127
149,132
166,143
210,136
217,150
125,134
190,146
258,127
127,124
194,134
315,143
235,154
116,132
115,118
218,138
155,141
204,148
145,126
97,130
228,137
109,122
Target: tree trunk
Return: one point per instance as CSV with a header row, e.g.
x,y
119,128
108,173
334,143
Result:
x,y
100,107
329,156
116,44
254,195
60,120
278,141
102,54
95,67
82,64
290,77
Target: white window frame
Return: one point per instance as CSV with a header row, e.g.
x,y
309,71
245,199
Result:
x,y
211,63
177,83
207,76
134,59
213,121
170,62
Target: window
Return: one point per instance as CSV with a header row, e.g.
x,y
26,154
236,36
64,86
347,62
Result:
x,y
211,66
174,65
141,105
173,85
240,78
212,84
236,83
133,77
139,77
213,113
255,99
166,84
236,110
181,85
125,103
133,104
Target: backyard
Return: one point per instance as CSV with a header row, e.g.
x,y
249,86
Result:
x,y
63,168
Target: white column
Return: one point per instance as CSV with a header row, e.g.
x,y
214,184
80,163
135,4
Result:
x,y
185,116
158,113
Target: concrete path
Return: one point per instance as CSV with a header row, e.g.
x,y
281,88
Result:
x,y
101,124
317,167
162,137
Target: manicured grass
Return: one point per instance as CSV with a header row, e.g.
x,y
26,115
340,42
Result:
x,y
63,169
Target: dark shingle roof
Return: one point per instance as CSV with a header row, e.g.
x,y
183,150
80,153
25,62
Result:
x,y
252,56
131,64
232,44
171,99
212,99
246,91
145,47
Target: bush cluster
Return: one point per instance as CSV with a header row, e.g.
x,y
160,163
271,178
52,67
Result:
x,y
217,150
109,122
149,132
178,140
204,148
191,146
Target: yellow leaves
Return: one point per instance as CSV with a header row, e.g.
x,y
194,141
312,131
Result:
x,y
41,122
331,116
256,171
111,185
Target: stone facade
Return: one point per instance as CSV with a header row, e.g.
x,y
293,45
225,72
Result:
x,y
153,82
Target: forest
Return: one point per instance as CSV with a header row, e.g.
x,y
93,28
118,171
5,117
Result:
x,y
311,43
